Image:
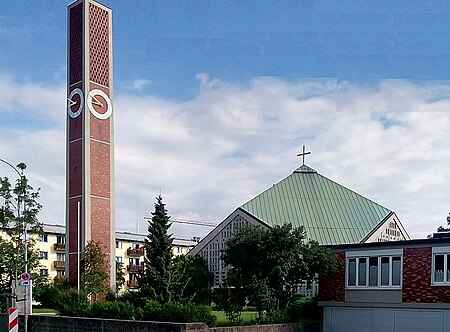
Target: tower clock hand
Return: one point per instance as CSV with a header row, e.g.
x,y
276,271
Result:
x,y
95,101
71,102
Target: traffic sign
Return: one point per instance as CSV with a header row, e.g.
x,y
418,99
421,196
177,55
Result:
x,y
25,276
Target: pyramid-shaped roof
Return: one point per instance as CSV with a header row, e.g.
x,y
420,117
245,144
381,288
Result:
x,y
329,212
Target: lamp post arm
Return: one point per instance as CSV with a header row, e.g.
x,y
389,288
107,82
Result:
x,y
12,166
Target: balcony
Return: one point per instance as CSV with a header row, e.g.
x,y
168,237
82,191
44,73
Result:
x,y
59,265
135,268
132,284
135,252
59,247
58,279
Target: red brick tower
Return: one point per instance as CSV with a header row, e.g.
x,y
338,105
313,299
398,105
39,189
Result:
x,y
90,145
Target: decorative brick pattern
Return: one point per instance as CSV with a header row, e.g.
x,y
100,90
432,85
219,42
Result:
x,y
76,44
98,45
417,278
332,288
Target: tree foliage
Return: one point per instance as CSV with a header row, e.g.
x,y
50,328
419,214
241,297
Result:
x,y
166,278
267,266
156,280
19,212
120,276
195,279
94,269
442,229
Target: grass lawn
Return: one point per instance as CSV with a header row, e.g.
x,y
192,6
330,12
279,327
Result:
x,y
246,316
39,310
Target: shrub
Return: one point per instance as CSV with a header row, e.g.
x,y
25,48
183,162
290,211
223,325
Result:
x,y
302,307
71,303
114,309
181,313
47,296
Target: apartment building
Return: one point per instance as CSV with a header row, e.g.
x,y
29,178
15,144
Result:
x,y
128,250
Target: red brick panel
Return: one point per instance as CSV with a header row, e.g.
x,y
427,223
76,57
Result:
x,y
332,288
100,169
73,237
74,168
100,225
100,221
417,278
76,44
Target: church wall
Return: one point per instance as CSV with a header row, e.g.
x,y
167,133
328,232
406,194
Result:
x,y
212,251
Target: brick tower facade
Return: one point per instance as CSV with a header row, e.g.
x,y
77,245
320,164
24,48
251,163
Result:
x,y
90,145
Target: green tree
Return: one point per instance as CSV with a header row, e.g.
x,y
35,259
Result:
x,y
156,280
94,269
18,214
195,279
267,266
442,229
120,276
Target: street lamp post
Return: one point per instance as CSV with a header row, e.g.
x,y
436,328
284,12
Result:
x,y
25,241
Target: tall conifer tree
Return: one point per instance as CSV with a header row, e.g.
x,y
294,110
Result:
x,y
155,280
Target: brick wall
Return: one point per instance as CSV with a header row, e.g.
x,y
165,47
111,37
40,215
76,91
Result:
x,y
332,288
417,278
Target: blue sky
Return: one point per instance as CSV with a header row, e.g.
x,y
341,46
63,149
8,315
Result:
x,y
214,99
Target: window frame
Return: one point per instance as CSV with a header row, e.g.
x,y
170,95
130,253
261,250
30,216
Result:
x,y
367,255
437,251
43,255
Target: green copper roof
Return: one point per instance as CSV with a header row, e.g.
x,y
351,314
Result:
x,y
330,213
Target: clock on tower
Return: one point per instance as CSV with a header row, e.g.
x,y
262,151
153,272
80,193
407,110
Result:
x,y
90,144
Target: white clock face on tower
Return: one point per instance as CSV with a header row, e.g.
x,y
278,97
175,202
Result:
x,y
99,104
75,103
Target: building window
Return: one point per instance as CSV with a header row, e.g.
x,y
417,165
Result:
x,y
43,238
374,271
441,266
118,244
133,261
44,272
119,259
60,273
43,254
61,257
60,239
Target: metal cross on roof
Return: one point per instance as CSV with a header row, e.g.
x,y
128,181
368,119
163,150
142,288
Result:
x,y
303,154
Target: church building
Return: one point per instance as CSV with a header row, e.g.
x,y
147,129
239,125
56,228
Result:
x,y
329,212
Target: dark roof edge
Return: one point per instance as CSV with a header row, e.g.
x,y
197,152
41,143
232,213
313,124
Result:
x,y
404,243
377,226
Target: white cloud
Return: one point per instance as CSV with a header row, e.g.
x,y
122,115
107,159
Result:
x,y
140,84
211,154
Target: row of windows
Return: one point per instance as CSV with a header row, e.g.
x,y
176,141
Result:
x,y
132,245
59,256
60,239
375,271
